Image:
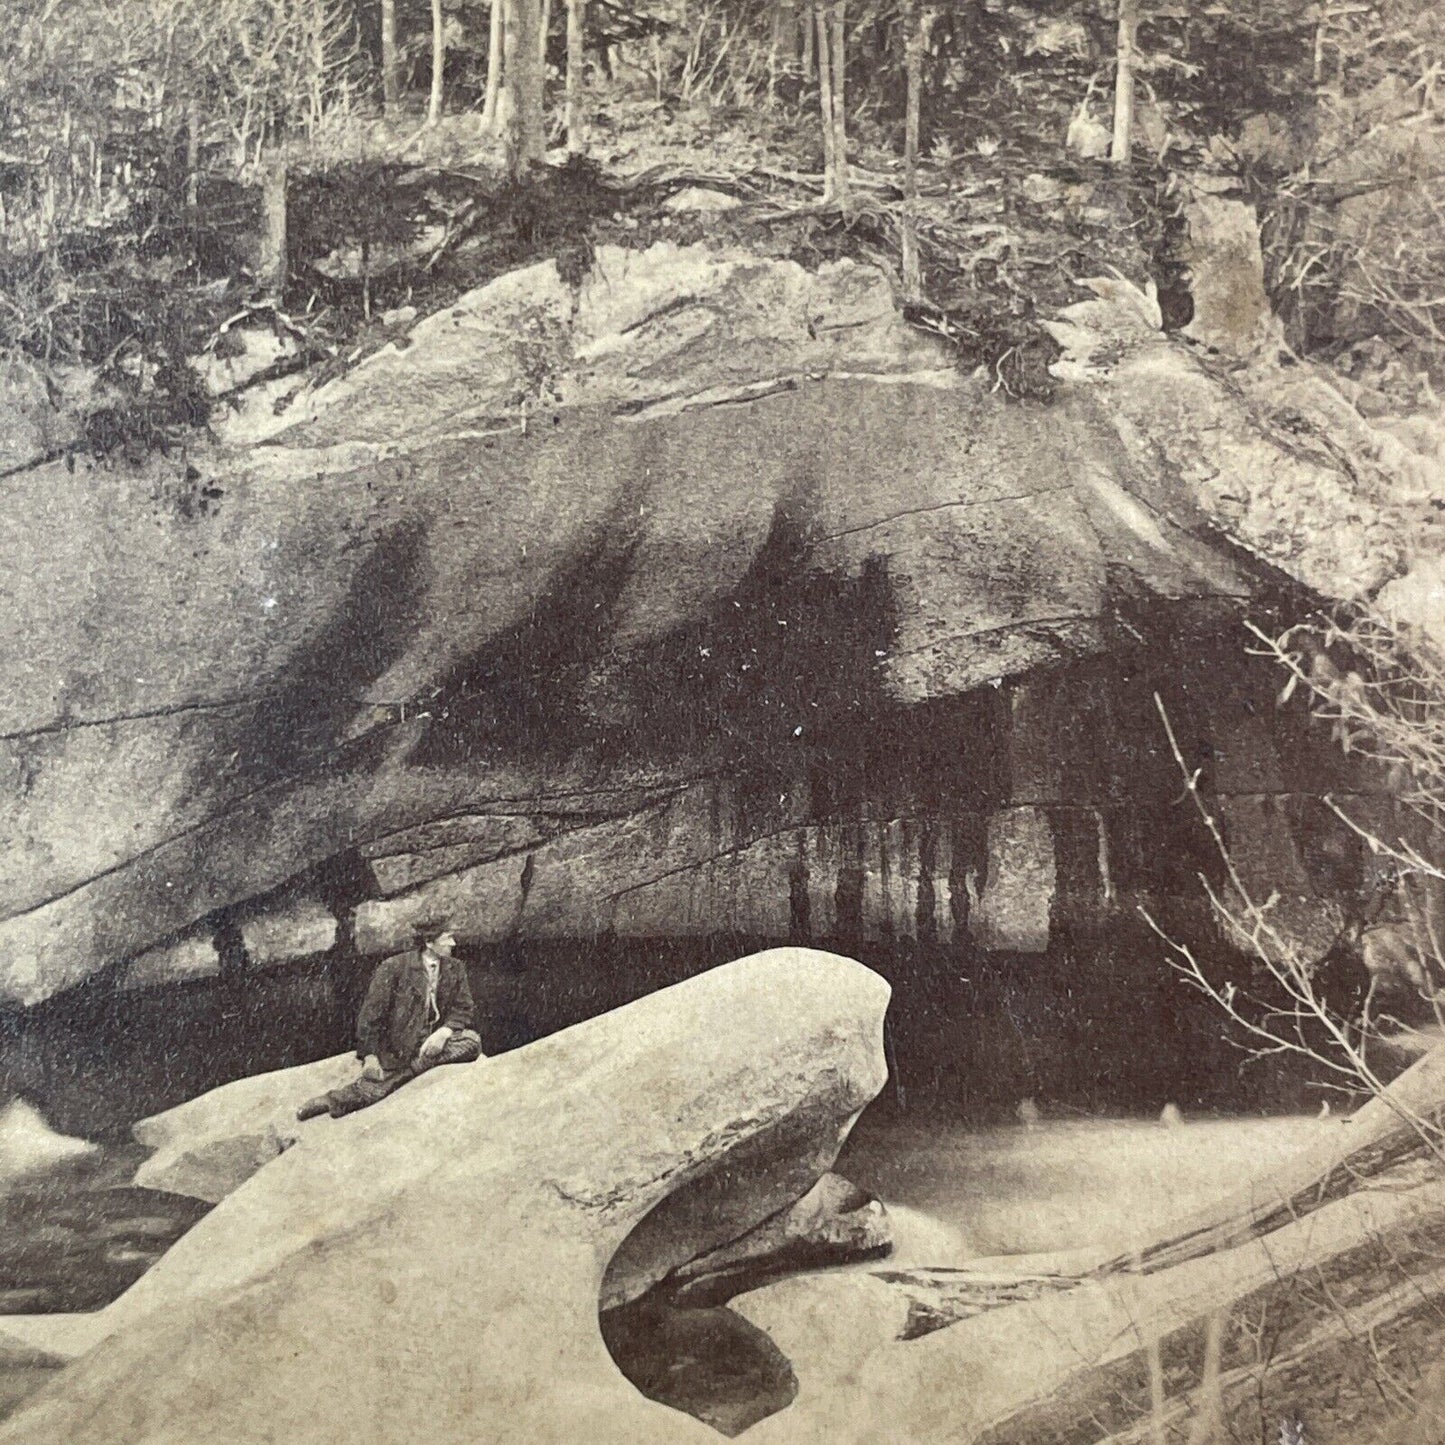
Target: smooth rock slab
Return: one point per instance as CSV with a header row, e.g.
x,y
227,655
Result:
x,y
209,1146
301,929
430,1268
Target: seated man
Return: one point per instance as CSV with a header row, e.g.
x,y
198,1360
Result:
x,y
417,1014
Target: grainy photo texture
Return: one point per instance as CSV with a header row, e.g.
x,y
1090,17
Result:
x,y
722,718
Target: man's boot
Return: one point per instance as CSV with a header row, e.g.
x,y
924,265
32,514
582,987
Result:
x,y
312,1107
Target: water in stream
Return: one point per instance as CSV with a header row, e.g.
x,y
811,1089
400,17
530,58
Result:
x,y
75,1236
1058,1184
941,1145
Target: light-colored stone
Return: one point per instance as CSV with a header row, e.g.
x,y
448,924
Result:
x,y
182,962
1226,274
1041,190
477,1210
28,1145
1417,600
639,324
244,353
1017,897
352,263
827,1326
207,707
208,1147
1340,513
1088,137
35,427
299,929
699,200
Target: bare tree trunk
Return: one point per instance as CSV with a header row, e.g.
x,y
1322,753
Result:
x,y
773,29
808,22
912,271
438,62
273,264
825,102
193,153
543,36
525,137
494,67
576,65
793,21
783,46
507,99
390,67
840,111
1123,145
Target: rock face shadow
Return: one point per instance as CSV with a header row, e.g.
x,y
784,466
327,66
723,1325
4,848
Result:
x,y
679,1343
317,691
709,1363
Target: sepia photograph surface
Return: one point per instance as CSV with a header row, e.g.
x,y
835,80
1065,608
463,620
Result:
x,y
722,718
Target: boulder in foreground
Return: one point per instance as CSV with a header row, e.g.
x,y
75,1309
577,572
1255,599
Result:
x,y
454,1237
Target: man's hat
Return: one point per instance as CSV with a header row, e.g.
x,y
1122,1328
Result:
x,y
424,930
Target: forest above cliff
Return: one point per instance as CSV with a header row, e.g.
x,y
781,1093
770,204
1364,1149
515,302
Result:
x,y
174,173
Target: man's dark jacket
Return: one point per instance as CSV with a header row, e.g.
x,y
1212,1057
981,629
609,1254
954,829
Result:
x,y
394,1020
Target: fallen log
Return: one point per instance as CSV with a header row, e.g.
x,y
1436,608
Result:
x,y
1316,1293
1332,1306
1346,1350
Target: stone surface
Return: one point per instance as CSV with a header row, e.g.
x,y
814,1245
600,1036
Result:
x,y
1226,274
827,1327
1290,470
1417,600
182,962
208,1147
34,428
644,330
28,1145
835,1222
699,200
298,929
345,646
478,1208
1017,893
241,354
407,860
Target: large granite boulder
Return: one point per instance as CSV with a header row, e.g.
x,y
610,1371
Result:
x,y
555,528
433,1264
